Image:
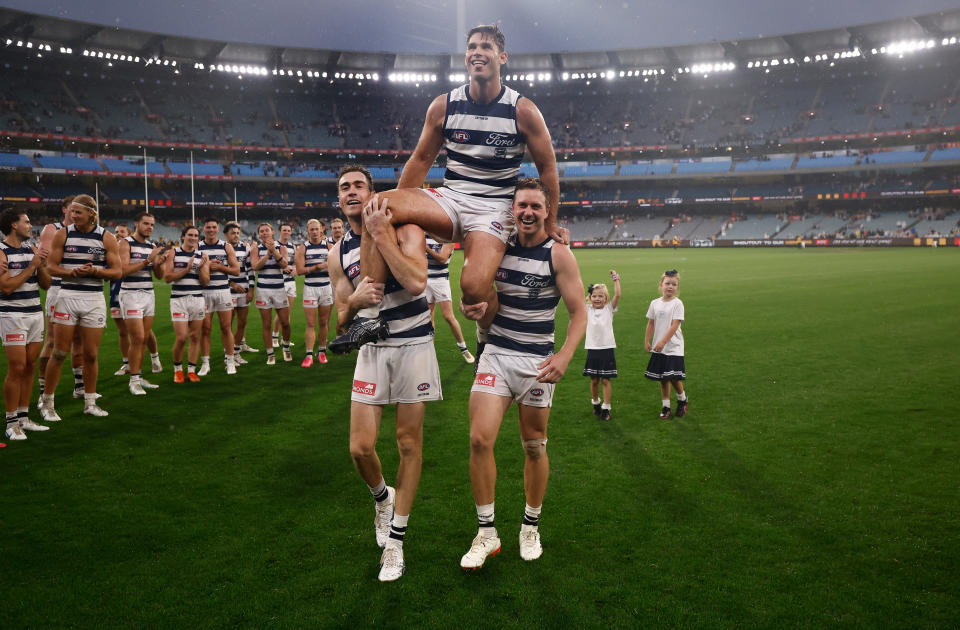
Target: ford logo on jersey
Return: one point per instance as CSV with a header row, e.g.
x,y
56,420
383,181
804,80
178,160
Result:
x,y
461,136
353,270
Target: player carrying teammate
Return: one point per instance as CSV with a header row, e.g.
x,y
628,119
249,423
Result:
x,y
401,370
485,128
518,364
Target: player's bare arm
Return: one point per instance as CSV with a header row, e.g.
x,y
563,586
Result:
x,y
531,124
56,255
347,299
114,270
571,290
428,146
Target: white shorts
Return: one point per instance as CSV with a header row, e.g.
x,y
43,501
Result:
x,y
88,312
438,290
290,286
19,329
239,300
53,293
189,308
513,376
137,304
218,301
272,298
470,214
317,296
396,374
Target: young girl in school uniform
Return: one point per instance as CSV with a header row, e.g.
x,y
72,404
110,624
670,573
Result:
x,y
601,363
664,340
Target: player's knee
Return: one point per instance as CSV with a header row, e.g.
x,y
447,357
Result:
x,y
59,355
408,446
535,448
361,450
473,289
480,442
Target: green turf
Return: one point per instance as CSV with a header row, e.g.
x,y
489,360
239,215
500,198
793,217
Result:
x,y
813,483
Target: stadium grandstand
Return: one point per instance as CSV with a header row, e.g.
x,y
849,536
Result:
x,y
851,131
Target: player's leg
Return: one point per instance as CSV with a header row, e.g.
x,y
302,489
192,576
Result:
x,y
446,309
205,331
323,329
595,394
26,388
91,350
16,366
76,362
283,317
62,338
536,468
309,333
665,399
137,335
265,324
225,317
410,446
153,348
180,328
481,259
194,333
364,427
123,339
681,398
607,397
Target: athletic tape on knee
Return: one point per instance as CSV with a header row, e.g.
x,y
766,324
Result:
x,y
60,355
535,448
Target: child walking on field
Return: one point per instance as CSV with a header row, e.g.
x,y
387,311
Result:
x,y
664,341
601,364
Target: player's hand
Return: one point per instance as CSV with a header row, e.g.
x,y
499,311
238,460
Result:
x,y
85,269
376,217
646,346
557,233
473,312
204,260
40,254
367,293
250,295
658,347
553,369
614,275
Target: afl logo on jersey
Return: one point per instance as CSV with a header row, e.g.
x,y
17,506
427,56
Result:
x,y
461,136
71,248
353,270
501,274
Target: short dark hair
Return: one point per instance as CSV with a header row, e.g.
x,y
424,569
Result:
x,y
532,183
187,228
8,217
493,30
355,168
229,226
140,216
209,219
67,201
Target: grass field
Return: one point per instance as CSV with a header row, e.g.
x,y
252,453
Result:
x,y
813,483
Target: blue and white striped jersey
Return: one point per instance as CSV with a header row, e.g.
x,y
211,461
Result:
x,y
189,285
315,255
528,294
290,274
215,251
80,248
26,299
56,280
484,146
435,268
407,315
270,275
245,277
138,280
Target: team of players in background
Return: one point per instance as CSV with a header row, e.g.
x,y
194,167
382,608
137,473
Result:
x,y
517,269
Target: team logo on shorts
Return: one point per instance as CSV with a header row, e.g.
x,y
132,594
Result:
x,y
485,380
536,392
497,226
435,193
15,338
461,136
63,317
133,311
353,270
176,315
362,387
261,303
422,387
114,312
307,302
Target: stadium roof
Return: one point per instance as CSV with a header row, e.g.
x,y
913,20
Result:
x,y
17,25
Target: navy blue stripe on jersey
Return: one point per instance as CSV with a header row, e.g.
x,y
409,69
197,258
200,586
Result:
x,y
405,310
315,255
498,164
216,251
494,108
242,253
524,326
423,330
527,303
542,349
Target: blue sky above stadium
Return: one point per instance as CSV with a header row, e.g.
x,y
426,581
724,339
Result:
x,y
436,26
